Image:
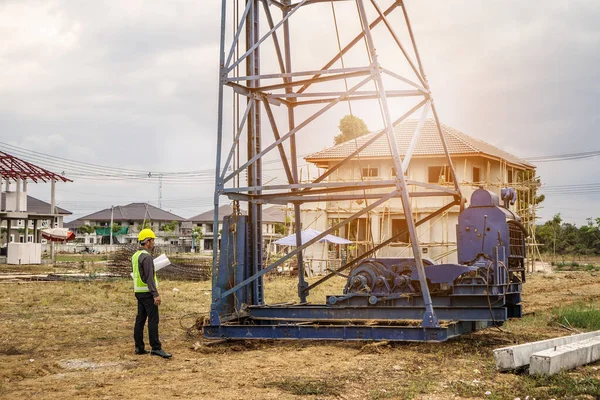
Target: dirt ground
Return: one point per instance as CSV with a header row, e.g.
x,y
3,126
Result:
x,y
74,340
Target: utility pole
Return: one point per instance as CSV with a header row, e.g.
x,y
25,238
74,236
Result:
x,y
160,191
112,209
52,212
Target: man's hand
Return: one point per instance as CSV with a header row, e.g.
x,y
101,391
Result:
x,y
157,300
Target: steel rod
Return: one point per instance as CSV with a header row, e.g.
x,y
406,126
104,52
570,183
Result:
x,y
429,319
304,245
382,245
257,43
294,130
231,154
218,180
352,43
284,160
433,108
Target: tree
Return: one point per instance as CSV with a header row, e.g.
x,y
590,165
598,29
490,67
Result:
x,y
197,234
280,228
147,224
170,226
116,228
350,127
86,229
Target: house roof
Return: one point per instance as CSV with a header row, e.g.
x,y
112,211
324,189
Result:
x,y
274,214
209,216
76,223
38,206
133,212
270,214
428,145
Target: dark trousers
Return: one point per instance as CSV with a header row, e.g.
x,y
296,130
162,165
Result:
x,y
146,309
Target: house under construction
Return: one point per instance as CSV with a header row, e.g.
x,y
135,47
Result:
x,y
477,164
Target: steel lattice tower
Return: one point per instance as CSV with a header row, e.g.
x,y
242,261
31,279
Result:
x,y
257,58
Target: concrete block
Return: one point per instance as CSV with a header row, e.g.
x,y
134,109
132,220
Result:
x,y
24,253
565,357
513,357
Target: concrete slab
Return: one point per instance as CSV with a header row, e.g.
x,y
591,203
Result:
x,y
565,357
513,357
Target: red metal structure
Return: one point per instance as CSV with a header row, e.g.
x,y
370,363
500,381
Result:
x,y
12,167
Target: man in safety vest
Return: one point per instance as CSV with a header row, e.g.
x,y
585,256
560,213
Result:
x,y
145,286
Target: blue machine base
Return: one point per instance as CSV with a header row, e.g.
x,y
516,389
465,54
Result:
x,y
324,331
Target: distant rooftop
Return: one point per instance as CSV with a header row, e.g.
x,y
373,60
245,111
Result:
x,y
270,214
133,212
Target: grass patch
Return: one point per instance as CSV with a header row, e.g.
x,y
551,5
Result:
x,y
564,385
578,315
302,386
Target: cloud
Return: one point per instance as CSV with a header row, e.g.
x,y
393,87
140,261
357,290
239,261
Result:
x,y
134,83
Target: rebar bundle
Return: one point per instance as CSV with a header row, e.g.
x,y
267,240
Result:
x,y
181,268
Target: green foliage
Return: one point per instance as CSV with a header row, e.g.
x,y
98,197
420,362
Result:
x,y
147,224
170,226
116,228
350,127
197,233
280,229
86,229
561,238
578,315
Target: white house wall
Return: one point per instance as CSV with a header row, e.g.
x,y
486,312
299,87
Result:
x,y
437,237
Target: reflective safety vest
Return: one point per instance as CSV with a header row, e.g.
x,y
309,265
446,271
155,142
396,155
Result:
x,y
138,285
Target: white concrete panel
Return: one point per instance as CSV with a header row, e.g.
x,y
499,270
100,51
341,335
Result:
x,y
565,357
513,357
24,253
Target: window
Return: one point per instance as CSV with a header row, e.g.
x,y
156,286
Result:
x,y
208,244
29,239
439,175
400,225
509,176
393,173
370,172
476,174
12,238
358,230
209,228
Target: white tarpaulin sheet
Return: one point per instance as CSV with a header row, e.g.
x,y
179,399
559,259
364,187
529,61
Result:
x,y
310,234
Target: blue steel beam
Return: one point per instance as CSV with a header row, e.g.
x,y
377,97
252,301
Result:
x,y
337,332
323,312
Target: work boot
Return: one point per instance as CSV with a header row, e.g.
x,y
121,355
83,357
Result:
x,y
139,351
161,352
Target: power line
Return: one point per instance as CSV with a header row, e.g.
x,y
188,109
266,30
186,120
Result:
x,y
88,171
563,157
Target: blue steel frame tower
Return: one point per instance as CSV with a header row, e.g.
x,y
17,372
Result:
x,y
267,99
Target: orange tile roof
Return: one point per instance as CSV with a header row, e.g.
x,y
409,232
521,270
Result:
x,y
429,144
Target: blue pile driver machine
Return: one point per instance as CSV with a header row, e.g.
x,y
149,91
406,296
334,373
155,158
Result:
x,y
274,105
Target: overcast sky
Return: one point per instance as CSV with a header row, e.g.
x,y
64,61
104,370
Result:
x,y
133,84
